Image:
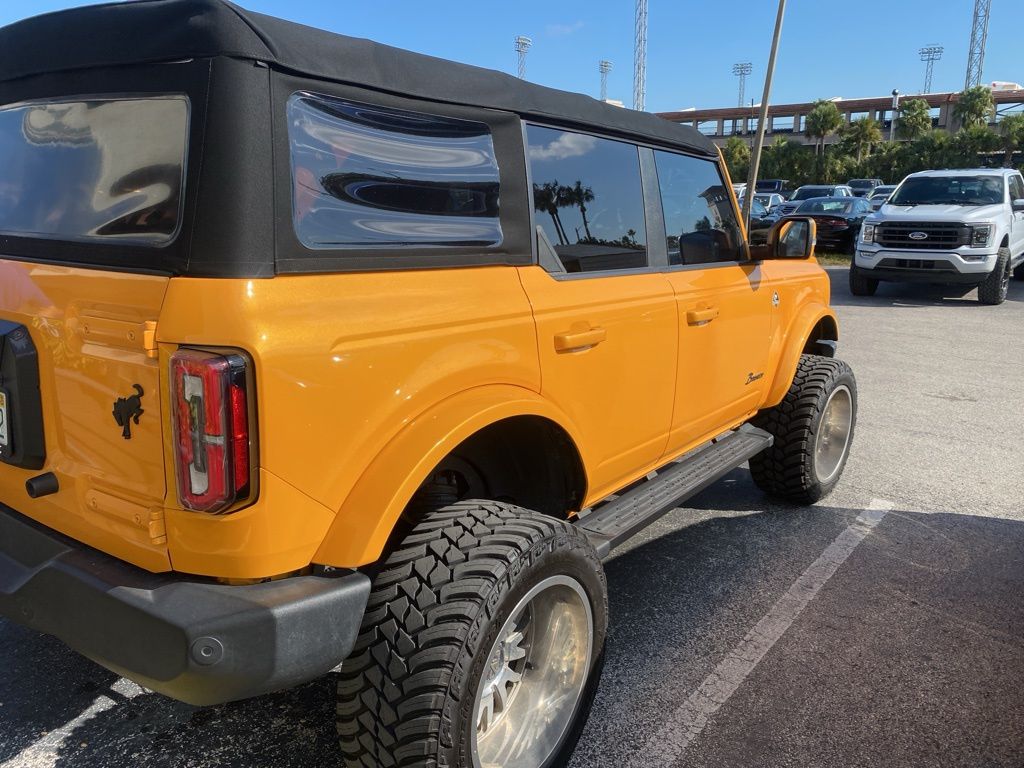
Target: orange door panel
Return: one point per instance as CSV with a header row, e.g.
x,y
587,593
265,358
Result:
x,y
607,350
724,326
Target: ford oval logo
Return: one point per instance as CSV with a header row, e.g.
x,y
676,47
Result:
x,y
918,235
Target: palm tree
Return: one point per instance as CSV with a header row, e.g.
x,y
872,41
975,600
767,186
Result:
x,y
915,119
549,197
863,134
822,121
974,106
1011,128
579,195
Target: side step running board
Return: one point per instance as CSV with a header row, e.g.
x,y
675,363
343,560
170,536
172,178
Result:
x,y
613,522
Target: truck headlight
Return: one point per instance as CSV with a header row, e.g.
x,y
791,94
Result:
x,y
867,233
980,235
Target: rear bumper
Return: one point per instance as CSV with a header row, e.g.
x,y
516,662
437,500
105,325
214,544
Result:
x,y
191,639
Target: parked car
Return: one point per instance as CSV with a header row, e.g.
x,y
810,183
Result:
x,y
772,185
770,201
962,227
284,386
879,195
739,189
809,191
839,220
863,187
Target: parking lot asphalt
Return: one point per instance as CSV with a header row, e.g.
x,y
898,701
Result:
x,y
882,627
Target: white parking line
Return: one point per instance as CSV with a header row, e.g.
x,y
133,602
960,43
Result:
x,y
45,751
686,723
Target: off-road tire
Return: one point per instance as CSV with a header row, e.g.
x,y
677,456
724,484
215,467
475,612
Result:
x,y
786,470
861,284
993,291
406,695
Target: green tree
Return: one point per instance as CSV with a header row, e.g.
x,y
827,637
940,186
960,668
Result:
x,y
549,197
1011,131
788,159
915,119
862,135
822,121
736,154
974,107
971,142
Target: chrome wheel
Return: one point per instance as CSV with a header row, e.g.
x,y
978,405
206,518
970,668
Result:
x,y
833,437
534,677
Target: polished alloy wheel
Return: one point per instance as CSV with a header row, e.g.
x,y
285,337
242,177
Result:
x,y
833,437
534,677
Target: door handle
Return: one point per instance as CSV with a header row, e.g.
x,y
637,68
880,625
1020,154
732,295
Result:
x,y
701,316
576,340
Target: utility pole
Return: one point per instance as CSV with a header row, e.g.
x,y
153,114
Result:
x,y
929,55
895,112
522,46
741,71
604,67
755,157
979,37
640,57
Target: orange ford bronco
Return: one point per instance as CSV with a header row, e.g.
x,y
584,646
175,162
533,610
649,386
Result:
x,y
315,352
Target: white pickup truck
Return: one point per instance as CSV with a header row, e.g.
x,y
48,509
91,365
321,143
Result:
x,y
961,227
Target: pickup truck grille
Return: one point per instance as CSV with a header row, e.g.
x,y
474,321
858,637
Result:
x,y
940,236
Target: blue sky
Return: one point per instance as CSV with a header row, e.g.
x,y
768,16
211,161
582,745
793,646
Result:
x,y
846,48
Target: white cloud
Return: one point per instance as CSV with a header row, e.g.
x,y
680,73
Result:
x,y
562,30
566,145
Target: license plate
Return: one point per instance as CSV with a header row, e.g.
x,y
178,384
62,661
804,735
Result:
x,y
4,423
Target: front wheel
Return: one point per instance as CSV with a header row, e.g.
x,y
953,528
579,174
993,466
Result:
x,y
813,428
481,646
997,284
861,284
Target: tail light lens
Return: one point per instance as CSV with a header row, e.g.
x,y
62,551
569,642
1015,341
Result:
x,y
210,413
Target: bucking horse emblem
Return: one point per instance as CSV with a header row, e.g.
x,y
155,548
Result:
x,y
127,410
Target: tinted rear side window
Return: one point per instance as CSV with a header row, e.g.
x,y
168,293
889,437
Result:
x,y
375,177
588,198
700,222
93,169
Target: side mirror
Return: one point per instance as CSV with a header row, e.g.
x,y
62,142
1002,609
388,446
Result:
x,y
789,238
1018,205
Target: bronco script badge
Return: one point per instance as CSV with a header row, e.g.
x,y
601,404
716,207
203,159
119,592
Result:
x,y
127,410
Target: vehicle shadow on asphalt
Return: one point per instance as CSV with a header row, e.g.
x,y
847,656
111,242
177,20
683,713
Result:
x,y
909,295
900,612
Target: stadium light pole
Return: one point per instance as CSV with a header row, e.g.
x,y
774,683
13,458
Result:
x,y
755,158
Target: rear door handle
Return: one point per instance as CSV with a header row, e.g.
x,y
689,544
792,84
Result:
x,y
572,341
701,316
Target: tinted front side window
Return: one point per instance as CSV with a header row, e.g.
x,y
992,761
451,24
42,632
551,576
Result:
x,y
588,197
376,177
700,222
93,170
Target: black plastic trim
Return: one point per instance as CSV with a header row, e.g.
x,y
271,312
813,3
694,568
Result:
x,y
189,638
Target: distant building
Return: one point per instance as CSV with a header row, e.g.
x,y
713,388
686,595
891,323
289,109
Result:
x,y
788,120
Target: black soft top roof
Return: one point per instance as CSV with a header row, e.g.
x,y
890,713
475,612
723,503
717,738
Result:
x,y
170,30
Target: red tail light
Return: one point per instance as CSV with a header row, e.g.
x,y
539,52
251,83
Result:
x,y
210,413
834,222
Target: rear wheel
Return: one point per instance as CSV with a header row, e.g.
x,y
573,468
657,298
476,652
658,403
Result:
x,y
813,428
997,284
860,284
481,646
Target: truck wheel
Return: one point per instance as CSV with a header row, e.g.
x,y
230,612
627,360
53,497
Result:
x,y
813,428
860,284
481,646
997,284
